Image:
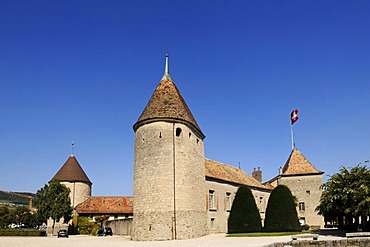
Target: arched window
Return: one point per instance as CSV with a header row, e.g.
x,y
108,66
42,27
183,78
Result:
x,y
178,132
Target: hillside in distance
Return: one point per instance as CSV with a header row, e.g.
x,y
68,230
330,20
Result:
x,y
17,198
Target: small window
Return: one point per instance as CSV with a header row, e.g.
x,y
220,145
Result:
x,y
189,134
261,204
211,200
212,223
160,134
228,201
308,192
301,206
178,132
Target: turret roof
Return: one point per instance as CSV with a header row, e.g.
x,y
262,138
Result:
x,y
297,164
167,104
71,171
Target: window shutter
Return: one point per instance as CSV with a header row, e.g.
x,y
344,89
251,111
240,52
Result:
x,y
207,201
225,202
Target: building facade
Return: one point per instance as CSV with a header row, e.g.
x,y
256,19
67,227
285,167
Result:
x,y
304,181
178,193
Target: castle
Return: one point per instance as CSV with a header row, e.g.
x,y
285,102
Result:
x,y
178,193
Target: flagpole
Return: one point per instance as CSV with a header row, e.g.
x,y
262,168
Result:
x,y
291,134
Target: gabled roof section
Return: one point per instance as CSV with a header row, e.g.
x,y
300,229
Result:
x,y
297,164
71,171
167,104
106,205
231,174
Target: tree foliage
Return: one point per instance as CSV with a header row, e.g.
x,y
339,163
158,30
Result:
x,y
244,214
4,217
346,196
52,201
281,213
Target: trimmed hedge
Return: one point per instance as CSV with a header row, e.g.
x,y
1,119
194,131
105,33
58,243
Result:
x,y
244,214
22,232
281,213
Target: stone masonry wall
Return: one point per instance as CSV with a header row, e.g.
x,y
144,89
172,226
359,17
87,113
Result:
x,y
307,189
218,216
169,183
80,192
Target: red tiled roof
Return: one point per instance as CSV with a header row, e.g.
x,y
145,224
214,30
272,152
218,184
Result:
x,y
71,171
297,164
105,205
232,174
167,104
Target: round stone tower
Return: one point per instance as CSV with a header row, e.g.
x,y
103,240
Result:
x,y
73,177
169,169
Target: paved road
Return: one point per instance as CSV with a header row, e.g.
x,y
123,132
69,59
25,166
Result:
x,y
213,240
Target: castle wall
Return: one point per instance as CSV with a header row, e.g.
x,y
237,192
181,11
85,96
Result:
x,y
169,183
80,192
307,189
224,195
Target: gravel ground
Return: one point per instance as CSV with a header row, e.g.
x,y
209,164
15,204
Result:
x,y
90,241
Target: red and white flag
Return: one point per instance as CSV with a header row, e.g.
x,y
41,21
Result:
x,y
293,116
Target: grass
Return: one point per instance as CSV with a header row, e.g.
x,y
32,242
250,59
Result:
x,y
265,234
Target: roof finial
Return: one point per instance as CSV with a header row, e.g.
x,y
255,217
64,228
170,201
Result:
x,y
73,149
166,69
166,75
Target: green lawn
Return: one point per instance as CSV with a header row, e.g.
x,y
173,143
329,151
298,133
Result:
x,y
265,234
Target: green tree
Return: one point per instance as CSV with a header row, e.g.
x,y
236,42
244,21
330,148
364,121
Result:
x,y
52,201
244,214
4,217
101,220
346,197
21,216
281,213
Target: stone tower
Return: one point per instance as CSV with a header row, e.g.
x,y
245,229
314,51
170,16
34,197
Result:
x,y
169,169
304,181
73,177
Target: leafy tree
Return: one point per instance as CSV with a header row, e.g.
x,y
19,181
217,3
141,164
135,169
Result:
x,y
21,216
244,214
101,220
281,213
52,201
346,197
4,217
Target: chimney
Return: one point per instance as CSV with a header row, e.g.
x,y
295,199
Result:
x,y
280,170
257,174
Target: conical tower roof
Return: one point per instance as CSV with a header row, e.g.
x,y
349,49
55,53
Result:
x,y
167,104
297,164
71,171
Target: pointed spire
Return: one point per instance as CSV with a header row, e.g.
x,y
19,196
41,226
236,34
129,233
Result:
x,y
166,75
72,171
166,69
167,104
73,149
298,164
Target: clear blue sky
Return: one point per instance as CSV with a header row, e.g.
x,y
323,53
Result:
x,y
83,71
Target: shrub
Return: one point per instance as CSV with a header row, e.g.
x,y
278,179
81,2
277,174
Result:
x,y
23,232
281,213
305,227
244,215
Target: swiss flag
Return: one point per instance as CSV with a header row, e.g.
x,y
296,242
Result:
x,y
293,116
